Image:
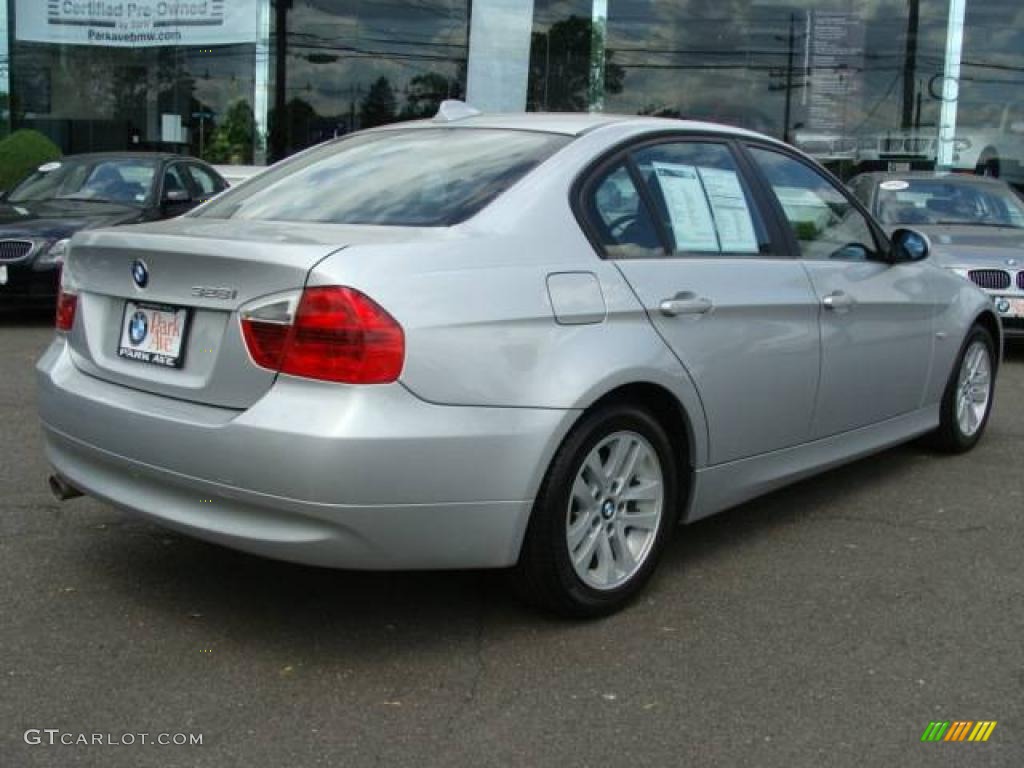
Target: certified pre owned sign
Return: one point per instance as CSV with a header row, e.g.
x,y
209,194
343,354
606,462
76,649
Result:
x,y
138,23
96,10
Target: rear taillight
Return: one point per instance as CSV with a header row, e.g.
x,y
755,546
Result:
x,y
67,304
331,333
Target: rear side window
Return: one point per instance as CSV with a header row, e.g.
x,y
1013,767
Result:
x,y
620,219
702,199
432,177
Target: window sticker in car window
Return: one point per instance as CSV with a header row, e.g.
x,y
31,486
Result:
x,y
730,210
688,208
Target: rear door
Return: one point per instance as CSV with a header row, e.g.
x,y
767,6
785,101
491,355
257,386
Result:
x,y
876,317
686,230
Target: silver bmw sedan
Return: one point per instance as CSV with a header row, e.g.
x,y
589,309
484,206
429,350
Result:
x,y
532,341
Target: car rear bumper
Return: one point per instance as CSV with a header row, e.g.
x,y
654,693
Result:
x,y
350,477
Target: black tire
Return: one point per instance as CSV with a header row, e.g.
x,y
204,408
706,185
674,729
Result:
x,y
949,437
545,575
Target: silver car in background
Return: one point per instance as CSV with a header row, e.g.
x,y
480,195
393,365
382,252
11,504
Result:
x,y
527,341
975,224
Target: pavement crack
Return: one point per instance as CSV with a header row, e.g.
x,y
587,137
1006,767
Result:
x,y
909,526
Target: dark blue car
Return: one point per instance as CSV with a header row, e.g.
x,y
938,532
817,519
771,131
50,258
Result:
x,y
79,192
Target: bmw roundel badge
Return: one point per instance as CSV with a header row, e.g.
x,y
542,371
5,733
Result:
x,y
138,328
140,274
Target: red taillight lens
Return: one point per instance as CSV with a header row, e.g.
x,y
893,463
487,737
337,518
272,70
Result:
x,y
265,341
67,304
337,334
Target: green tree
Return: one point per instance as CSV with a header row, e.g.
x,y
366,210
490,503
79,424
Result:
x,y
560,63
232,140
21,153
425,94
379,106
294,128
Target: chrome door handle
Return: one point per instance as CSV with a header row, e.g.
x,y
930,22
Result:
x,y
838,301
685,304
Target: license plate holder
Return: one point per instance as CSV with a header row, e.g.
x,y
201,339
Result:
x,y
155,334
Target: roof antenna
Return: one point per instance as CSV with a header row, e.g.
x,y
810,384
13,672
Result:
x,y
452,110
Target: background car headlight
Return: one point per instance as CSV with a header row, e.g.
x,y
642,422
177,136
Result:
x,y
54,254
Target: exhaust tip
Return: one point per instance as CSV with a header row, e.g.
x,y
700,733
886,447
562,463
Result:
x,y
61,489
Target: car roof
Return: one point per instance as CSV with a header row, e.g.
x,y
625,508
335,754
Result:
x,y
572,123
131,155
880,176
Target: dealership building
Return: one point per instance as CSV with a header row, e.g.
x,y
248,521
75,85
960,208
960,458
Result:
x,y
897,83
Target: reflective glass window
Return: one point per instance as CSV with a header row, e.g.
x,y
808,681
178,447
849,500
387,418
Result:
x,y
826,224
622,223
702,199
422,177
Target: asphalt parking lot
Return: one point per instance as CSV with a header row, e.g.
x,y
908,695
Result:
x,y
825,625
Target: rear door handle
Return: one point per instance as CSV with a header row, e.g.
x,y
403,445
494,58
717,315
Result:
x,y
838,301
686,303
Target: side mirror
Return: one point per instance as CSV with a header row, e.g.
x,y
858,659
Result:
x,y
1017,126
177,196
909,245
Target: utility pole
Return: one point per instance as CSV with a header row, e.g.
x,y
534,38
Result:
x,y
789,79
910,65
279,133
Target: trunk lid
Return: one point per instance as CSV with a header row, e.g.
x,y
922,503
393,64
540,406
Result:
x,y
211,268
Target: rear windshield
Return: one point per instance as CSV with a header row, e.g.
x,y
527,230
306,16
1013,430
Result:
x,y
428,177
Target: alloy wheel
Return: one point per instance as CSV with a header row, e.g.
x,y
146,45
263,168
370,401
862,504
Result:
x,y
974,389
615,509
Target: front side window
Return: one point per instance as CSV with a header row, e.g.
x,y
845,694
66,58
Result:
x,y
861,186
174,182
431,177
207,183
825,222
702,199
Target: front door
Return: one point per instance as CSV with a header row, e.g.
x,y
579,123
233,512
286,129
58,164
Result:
x,y
876,317
741,318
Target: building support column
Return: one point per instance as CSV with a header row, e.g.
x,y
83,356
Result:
x,y
5,72
951,83
598,35
261,87
498,70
